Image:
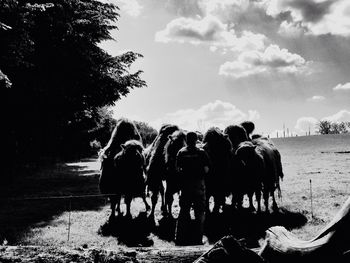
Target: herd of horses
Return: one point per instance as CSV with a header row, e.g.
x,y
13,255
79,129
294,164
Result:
x,y
240,165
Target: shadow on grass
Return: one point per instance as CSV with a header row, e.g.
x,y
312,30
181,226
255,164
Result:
x,y
21,209
250,226
242,224
131,232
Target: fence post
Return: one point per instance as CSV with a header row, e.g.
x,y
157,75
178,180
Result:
x,y
312,210
69,212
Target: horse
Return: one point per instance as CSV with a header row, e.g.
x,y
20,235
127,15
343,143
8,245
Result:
x,y
175,142
218,148
156,168
243,180
112,176
273,172
130,165
262,161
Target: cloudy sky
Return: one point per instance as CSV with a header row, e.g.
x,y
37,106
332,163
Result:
x,y
219,62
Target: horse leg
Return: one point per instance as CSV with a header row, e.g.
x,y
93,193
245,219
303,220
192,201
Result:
x,y
219,201
169,199
118,199
147,206
274,203
154,200
266,195
113,200
162,194
128,200
258,199
237,200
251,205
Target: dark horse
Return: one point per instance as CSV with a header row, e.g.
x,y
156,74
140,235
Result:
x,y
175,142
263,161
156,168
218,148
122,166
243,180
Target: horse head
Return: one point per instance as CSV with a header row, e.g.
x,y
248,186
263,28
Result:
x,y
175,142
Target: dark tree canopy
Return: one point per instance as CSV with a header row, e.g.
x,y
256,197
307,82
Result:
x,y
60,78
328,127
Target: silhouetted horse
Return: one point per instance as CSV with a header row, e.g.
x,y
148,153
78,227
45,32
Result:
x,y
262,160
218,148
156,168
175,142
123,148
243,181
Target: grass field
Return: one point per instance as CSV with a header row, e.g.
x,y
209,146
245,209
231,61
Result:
x,y
325,160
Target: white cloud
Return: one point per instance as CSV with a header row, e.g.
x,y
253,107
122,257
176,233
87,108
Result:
x,y
306,124
342,87
290,29
209,30
316,98
272,60
343,115
130,7
214,6
217,113
319,17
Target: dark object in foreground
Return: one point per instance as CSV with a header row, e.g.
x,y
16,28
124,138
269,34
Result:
x,y
332,244
130,231
228,249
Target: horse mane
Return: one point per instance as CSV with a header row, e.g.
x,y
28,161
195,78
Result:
x,y
155,160
161,139
123,131
175,136
216,140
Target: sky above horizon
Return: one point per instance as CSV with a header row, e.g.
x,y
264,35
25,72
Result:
x,y
220,62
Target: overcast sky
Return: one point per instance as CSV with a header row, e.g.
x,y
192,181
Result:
x,y
219,62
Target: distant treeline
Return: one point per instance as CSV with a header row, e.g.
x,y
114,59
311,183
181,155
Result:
x,y
329,127
56,82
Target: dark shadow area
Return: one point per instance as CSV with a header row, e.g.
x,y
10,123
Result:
x,y
249,226
244,225
30,197
131,232
166,228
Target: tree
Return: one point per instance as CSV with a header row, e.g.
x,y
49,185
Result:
x,y
342,127
60,77
147,132
328,127
324,127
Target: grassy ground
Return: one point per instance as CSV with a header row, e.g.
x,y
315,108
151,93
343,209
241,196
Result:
x,y
45,222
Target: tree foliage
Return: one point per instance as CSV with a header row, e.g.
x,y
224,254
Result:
x,y
60,78
328,127
147,132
